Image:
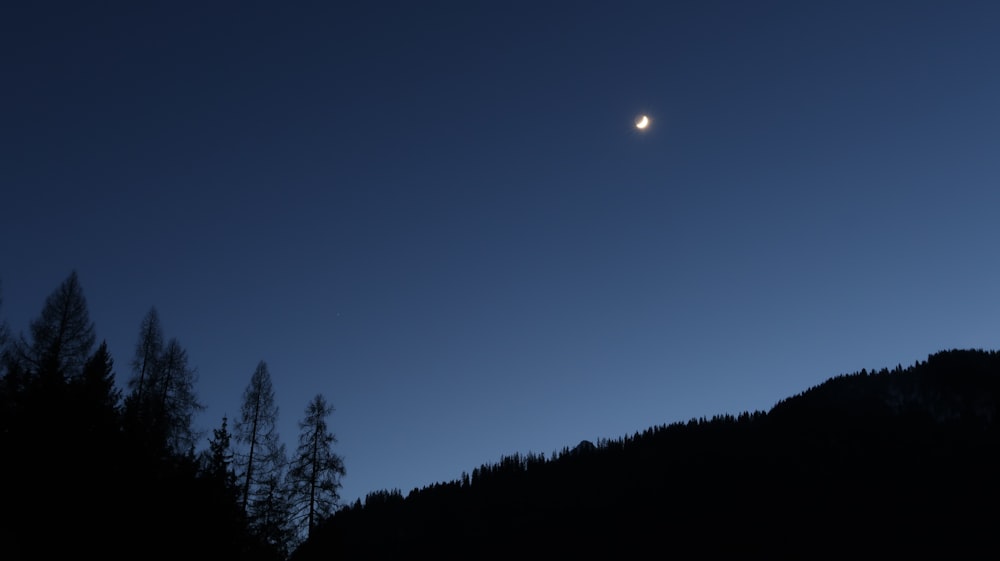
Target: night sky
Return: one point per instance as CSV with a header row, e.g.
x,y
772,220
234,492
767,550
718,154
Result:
x,y
441,216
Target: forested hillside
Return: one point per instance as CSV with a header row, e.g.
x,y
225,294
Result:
x,y
894,462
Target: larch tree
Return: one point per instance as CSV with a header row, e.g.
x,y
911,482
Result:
x,y
261,462
39,369
145,362
315,472
162,403
174,400
148,350
61,338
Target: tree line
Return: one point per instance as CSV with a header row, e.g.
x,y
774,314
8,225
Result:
x,y
116,471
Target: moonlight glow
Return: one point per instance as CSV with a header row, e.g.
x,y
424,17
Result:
x,y
642,122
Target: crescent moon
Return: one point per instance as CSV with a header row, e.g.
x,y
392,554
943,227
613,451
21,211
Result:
x,y
642,123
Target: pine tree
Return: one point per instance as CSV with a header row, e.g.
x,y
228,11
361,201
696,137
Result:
x,y
98,396
219,461
91,428
316,470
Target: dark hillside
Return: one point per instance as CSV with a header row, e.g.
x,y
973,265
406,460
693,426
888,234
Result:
x,y
895,462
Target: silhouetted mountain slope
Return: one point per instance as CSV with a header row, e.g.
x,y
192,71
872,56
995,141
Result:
x,y
890,463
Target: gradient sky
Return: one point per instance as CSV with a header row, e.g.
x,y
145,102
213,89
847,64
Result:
x,y
440,216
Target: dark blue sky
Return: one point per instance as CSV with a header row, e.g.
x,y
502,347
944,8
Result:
x,y
440,216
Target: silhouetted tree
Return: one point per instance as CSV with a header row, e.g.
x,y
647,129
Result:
x,y
262,462
162,404
61,338
98,395
175,402
228,523
140,405
90,434
219,460
271,516
314,476
148,351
